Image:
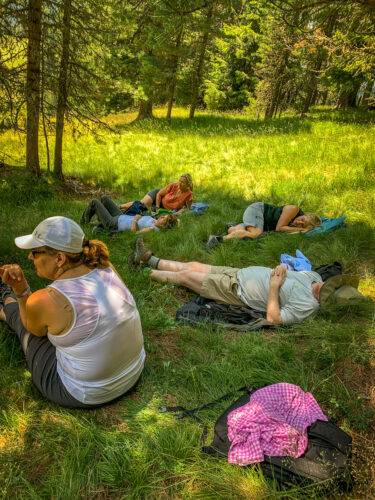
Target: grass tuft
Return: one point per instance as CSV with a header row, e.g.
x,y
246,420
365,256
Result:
x,y
326,164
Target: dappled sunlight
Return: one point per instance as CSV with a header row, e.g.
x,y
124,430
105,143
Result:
x,y
130,449
14,424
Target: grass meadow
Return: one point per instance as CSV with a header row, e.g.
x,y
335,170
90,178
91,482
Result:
x,y
324,163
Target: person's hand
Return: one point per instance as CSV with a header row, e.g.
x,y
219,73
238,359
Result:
x,y
137,217
123,208
278,276
12,275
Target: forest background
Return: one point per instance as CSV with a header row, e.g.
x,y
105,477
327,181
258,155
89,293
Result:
x,y
78,61
258,101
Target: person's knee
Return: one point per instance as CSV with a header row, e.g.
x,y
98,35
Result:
x,y
253,232
234,229
183,277
95,202
104,198
193,266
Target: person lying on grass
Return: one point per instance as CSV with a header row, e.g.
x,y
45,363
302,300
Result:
x,y
260,217
81,335
110,217
286,297
174,196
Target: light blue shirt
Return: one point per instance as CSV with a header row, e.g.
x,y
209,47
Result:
x,y
296,298
125,222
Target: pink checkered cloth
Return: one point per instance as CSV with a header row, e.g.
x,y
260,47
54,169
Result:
x,y
273,423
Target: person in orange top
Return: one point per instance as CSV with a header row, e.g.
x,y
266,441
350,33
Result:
x,y
174,196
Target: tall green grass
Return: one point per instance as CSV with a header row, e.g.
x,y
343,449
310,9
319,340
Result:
x,y
128,450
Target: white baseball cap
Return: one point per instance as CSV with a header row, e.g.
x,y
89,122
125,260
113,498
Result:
x,y
57,232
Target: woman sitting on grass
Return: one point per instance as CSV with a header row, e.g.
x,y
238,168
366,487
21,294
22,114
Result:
x,y
82,334
174,196
260,217
111,218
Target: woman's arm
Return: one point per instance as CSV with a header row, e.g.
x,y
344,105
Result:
x,y
289,213
185,208
40,314
38,308
145,230
134,223
30,304
159,197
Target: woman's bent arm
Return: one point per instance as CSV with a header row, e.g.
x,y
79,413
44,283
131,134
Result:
x,y
159,196
289,213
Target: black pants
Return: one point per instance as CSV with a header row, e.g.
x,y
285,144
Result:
x,y
41,359
107,212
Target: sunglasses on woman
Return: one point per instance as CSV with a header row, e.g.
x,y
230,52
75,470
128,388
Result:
x,y
35,252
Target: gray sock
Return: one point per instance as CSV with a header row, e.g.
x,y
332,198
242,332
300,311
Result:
x,y
153,262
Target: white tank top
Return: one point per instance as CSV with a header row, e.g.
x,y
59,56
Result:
x,y
102,355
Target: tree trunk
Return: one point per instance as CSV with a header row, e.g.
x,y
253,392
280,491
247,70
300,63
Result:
x,y
367,94
145,110
33,85
42,102
324,98
197,77
275,96
315,97
312,85
312,75
270,110
63,90
347,98
174,67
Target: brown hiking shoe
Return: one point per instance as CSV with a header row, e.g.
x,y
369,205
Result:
x,y
140,255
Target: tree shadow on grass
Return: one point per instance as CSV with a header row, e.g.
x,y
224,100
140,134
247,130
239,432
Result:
x,y
350,116
208,125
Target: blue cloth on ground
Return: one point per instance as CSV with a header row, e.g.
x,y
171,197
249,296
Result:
x,y
327,226
197,208
136,208
297,263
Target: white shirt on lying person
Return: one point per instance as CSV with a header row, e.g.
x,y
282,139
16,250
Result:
x,y
296,298
125,222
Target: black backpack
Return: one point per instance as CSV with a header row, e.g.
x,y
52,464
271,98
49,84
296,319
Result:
x,y
326,461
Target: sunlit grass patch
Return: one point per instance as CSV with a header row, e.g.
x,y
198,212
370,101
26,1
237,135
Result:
x,y
325,163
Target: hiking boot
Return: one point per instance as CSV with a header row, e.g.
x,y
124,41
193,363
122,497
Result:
x,y
134,265
86,215
213,241
140,255
5,291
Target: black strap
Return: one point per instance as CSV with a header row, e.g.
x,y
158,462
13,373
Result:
x,y
184,412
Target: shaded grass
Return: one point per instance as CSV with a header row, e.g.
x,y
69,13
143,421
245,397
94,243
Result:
x,y
129,450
